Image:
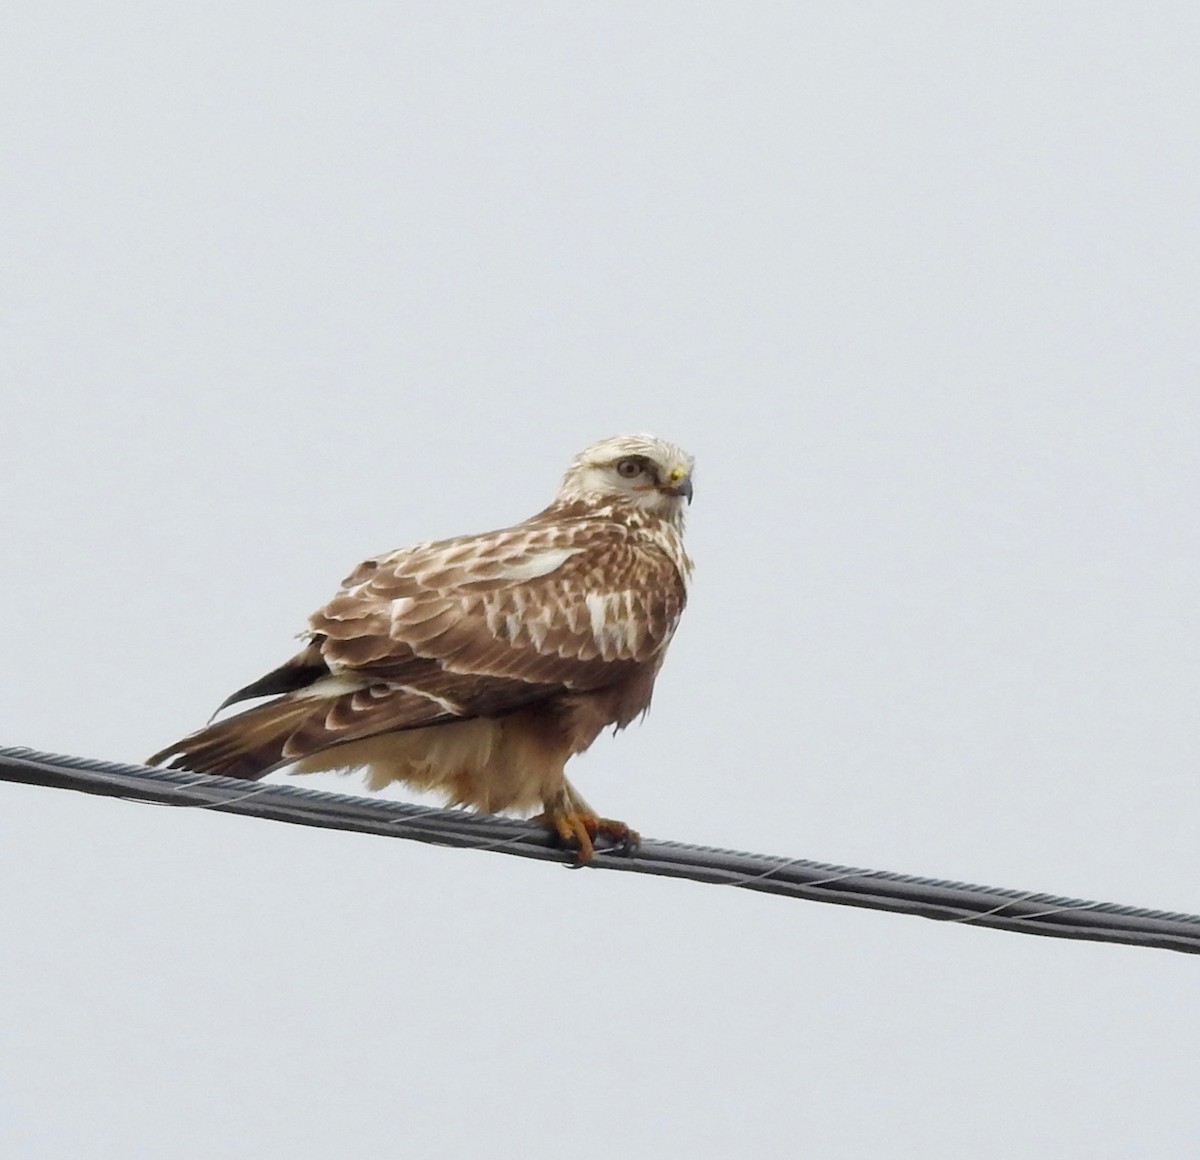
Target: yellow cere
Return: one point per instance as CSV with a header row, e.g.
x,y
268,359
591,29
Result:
x,y
677,473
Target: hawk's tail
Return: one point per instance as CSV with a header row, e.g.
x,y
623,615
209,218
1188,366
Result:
x,y
300,724
249,745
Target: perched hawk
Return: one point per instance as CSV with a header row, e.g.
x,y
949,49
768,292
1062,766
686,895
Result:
x,y
477,666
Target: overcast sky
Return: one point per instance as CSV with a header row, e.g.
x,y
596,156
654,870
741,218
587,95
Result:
x,y
284,285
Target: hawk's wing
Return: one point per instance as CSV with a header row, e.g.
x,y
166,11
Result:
x,y
473,627
485,624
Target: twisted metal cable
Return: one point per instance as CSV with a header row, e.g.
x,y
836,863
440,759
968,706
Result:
x,y
1022,911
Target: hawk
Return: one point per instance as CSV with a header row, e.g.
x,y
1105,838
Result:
x,y
477,666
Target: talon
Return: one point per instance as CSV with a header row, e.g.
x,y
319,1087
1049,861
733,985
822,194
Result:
x,y
574,830
625,839
577,830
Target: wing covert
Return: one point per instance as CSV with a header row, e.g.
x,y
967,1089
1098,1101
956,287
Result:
x,y
490,622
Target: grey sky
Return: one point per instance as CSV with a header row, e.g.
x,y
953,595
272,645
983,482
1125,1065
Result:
x,y
917,284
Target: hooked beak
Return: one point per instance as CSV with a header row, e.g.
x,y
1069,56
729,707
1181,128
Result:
x,y
682,487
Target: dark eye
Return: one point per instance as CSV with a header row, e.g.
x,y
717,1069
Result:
x,y
629,468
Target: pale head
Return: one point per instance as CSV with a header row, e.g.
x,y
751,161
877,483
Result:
x,y
643,471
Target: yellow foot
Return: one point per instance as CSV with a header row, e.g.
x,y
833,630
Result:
x,y
577,829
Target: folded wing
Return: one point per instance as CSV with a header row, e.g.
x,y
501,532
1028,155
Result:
x,y
479,626
483,621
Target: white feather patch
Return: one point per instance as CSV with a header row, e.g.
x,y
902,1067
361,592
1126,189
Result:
x,y
455,710
332,686
538,626
539,564
612,623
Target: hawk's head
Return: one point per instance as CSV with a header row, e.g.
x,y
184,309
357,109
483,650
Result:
x,y
645,472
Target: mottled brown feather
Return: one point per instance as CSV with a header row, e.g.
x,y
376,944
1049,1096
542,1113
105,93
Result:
x,y
497,655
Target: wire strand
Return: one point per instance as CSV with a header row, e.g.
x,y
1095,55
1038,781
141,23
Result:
x,y
1025,912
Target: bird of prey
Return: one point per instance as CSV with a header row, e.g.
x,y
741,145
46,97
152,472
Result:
x,y
477,666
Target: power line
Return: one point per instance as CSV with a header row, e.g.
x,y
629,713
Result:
x,y
1024,912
